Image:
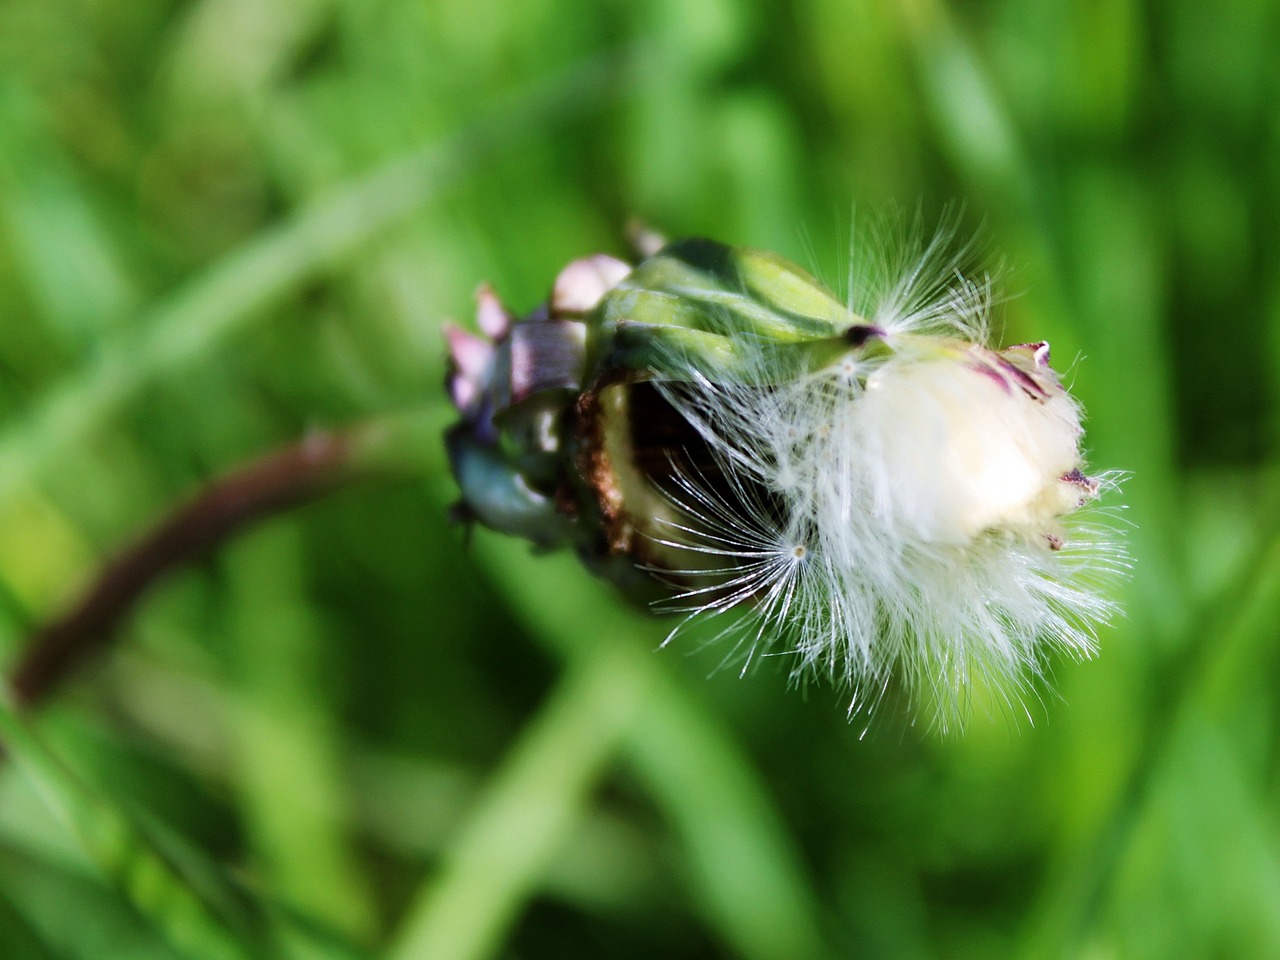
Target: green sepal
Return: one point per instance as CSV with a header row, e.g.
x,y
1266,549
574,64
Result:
x,y
498,494
660,351
738,314
726,290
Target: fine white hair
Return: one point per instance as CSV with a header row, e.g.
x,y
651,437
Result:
x,y
903,515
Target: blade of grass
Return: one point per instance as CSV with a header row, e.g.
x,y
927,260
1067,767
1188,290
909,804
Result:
x,y
743,865
123,854
1221,645
408,804
48,910
74,272
286,744
744,871
970,119
239,288
540,791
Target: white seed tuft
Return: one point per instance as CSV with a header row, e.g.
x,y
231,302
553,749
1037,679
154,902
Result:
x,y
906,516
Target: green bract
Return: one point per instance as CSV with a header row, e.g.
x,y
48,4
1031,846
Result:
x,y
561,443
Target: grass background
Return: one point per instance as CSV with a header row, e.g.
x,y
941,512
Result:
x,y
223,223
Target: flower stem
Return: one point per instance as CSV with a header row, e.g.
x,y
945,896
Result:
x,y
288,477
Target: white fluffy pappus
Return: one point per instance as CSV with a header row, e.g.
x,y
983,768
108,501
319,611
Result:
x,y
915,514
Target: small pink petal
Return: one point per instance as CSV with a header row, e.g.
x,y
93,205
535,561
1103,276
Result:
x,y
471,354
491,316
582,284
644,240
464,392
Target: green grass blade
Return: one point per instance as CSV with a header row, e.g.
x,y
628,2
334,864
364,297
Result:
x,y
286,743
1222,649
743,867
122,854
243,285
540,791
50,911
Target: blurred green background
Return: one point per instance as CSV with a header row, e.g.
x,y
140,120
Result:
x,y
223,223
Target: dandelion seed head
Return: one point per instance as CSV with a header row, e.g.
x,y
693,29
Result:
x,y
866,487
914,513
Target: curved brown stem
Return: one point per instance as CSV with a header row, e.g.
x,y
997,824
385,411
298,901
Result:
x,y
287,477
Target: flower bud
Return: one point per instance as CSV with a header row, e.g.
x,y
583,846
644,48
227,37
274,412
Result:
x,y
869,487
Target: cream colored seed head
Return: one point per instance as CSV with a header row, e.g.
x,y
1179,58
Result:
x,y
917,517
951,449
